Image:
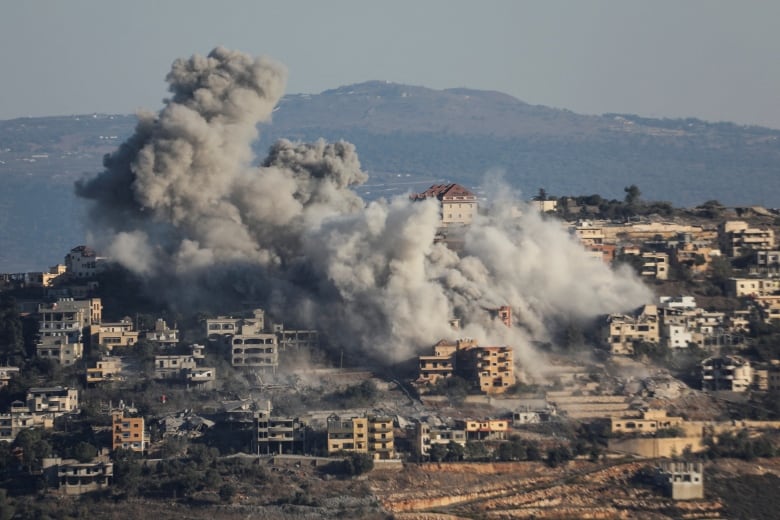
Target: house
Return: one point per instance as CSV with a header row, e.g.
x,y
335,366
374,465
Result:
x,y
59,349
70,477
57,400
172,367
742,287
650,422
278,434
162,335
457,205
114,334
105,369
427,435
485,429
381,440
21,419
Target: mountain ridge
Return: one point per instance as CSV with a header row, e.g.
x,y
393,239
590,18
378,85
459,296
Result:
x,y
409,137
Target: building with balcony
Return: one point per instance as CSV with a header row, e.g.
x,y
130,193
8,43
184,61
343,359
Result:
x,y
655,265
114,334
491,369
6,374
427,435
278,434
350,435
57,400
59,349
738,238
731,373
624,330
256,350
172,367
381,440
63,326
162,335
70,477
128,433
12,423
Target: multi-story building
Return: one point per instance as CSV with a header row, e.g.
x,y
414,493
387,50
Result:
x,y
128,433
491,368
427,435
741,287
63,326
70,477
171,367
253,349
277,434
381,441
347,435
83,262
737,238
731,373
105,369
655,265
767,262
114,334
370,434
57,400
624,330
457,205
442,363
223,328
12,423
59,349
162,335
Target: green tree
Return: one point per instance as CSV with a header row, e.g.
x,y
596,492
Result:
x,y
455,452
11,332
437,452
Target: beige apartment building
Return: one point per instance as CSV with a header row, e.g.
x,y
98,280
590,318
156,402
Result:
x,y
347,435
624,330
114,334
56,399
458,206
737,238
741,287
650,422
492,369
427,435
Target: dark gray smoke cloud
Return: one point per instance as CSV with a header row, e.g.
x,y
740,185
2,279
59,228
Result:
x,y
181,203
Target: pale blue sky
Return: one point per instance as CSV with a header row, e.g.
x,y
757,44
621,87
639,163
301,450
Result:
x,y
711,59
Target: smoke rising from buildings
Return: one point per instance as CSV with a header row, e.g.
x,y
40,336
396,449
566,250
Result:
x,y
181,204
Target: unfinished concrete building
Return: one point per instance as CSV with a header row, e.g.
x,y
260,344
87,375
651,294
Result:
x,y
681,480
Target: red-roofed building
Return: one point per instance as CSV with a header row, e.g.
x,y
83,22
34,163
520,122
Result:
x,y
457,204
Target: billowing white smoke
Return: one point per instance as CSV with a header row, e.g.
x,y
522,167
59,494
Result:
x,y
180,203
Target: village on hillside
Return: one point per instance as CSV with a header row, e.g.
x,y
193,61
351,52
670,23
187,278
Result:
x,y
108,393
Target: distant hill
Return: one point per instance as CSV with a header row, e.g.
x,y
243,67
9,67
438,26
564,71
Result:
x,y
409,137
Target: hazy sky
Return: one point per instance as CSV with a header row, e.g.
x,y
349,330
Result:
x,y
710,59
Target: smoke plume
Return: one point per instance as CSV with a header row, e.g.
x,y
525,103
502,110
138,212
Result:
x,y
180,203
